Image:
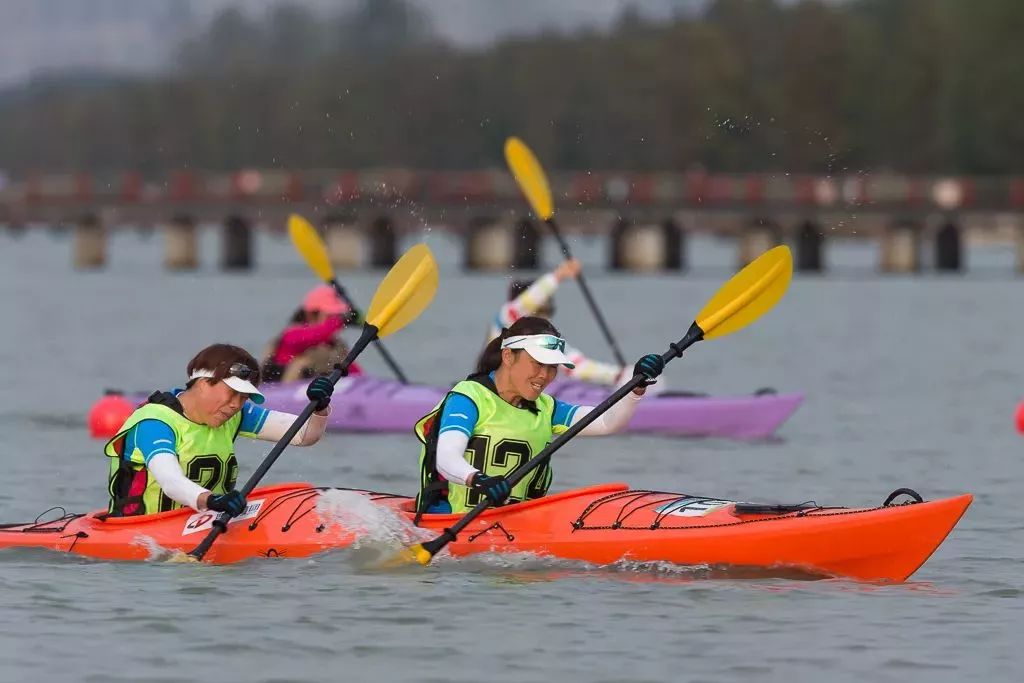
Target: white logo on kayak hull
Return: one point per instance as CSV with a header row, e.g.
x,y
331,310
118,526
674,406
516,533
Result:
x,y
201,521
692,507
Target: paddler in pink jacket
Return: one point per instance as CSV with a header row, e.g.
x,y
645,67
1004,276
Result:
x,y
311,344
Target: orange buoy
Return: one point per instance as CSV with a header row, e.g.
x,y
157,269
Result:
x,y
1020,417
108,414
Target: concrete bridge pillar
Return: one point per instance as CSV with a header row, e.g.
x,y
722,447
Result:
x,y
639,248
900,250
948,248
344,240
90,250
615,239
490,245
647,247
810,247
760,236
1020,246
528,241
383,243
675,245
181,243
236,243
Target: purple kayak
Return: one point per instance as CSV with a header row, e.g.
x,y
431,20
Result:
x,y
372,404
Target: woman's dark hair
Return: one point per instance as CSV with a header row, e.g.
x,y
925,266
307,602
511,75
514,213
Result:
x,y
219,358
490,359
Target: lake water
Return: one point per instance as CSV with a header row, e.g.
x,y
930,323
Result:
x,y
910,381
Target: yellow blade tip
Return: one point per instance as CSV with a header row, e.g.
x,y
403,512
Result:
x,y
530,177
415,554
179,557
513,143
421,554
405,292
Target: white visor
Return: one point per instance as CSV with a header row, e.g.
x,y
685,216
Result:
x,y
240,385
543,348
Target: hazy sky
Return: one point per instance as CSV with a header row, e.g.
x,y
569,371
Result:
x,y
47,36
477,21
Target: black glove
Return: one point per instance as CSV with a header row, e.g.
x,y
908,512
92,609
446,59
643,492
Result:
x,y
650,367
232,502
320,390
495,488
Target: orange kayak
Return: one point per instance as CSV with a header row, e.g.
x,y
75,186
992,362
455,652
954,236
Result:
x,y
598,524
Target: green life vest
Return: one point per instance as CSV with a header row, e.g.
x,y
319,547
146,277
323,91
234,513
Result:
x,y
206,455
504,439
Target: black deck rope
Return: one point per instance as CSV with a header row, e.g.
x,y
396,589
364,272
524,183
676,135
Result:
x,y
294,517
812,506
64,513
819,512
635,501
903,492
77,535
52,525
305,494
638,503
496,525
660,516
600,502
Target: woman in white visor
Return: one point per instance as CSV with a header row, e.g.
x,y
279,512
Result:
x,y
177,449
499,417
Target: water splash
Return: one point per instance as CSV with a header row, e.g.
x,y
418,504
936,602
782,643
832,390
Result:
x,y
158,553
381,533
370,521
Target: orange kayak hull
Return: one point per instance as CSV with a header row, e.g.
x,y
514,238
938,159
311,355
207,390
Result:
x,y
598,524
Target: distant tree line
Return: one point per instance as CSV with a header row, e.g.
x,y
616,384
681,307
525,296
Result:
x,y
747,85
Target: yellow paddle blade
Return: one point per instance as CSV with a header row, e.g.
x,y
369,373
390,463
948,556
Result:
x,y
415,554
407,289
307,241
748,295
180,557
530,177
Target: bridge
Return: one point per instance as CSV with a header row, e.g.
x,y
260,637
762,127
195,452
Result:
x,y
646,215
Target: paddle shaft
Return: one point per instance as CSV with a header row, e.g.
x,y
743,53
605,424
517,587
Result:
x,y
693,335
376,342
619,358
220,525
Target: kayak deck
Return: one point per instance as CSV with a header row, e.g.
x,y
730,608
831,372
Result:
x,y
600,525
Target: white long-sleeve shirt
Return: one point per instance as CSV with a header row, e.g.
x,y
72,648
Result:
x,y
167,471
451,444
